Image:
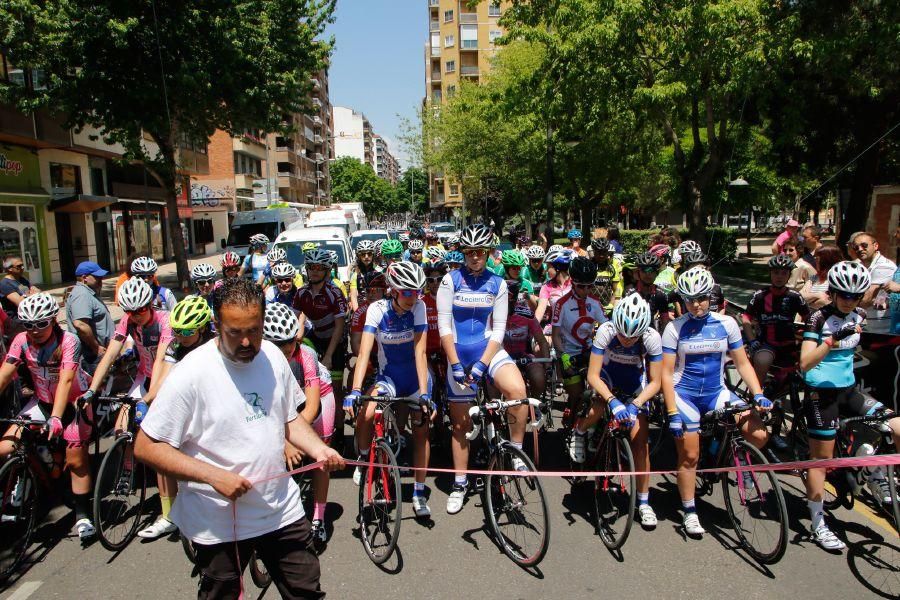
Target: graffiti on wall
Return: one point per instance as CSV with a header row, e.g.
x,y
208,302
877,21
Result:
x,y
204,195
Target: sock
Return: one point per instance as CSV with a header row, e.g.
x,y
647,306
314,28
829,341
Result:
x,y
816,513
688,506
643,498
82,506
166,505
517,445
460,480
418,489
319,511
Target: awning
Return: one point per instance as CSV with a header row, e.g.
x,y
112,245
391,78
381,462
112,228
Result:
x,y
80,203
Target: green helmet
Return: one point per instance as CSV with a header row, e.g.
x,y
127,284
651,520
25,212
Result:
x,y
513,258
308,246
391,247
191,313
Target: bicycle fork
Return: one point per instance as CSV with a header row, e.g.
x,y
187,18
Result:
x,y
382,471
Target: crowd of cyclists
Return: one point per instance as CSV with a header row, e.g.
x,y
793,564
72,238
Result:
x,y
434,320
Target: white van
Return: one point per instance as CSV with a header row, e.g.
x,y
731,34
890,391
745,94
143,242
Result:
x,y
268,221
350,220
327,238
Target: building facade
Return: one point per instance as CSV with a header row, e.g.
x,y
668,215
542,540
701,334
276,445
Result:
x,y
353,135
386,165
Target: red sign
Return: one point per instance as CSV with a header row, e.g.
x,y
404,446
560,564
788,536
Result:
x,y
184,200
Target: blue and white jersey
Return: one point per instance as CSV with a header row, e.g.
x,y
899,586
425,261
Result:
x,y
625,365
255,265
395,334
701,347
163,299
473,309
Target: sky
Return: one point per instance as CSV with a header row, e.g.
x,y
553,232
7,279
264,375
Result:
x,y
377,66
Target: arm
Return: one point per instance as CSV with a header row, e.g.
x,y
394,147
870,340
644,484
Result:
x,y
336,336
812,353
868,298
302,436
541,308
444,302
654,383
313,391
7,371
667,382
543,346
355,339
86,335
14,297
593,376
420,340
745,368
105,363
157,377
367,340
776,249
63,387
498,324
556,336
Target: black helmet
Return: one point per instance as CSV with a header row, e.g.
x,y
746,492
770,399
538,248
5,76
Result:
x,y
583,270
647,260
697,257
781,261
600,245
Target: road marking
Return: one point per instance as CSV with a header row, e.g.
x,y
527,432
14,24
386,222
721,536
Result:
x,y
868,512
26,590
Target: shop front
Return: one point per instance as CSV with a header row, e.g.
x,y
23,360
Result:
x,y
23,205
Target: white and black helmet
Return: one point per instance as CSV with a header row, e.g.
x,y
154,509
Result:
x,y
332,257
435,253
365,246
689,246
849,277
134,294
317,256
477,236
695,282
282,270
280,324
37,308
203,271
535,252
631,316
403,237
259,239
555,248
276,255
452,240
405,275
143,265
416,245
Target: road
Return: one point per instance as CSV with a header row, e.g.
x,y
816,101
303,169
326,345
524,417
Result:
x,y
451,556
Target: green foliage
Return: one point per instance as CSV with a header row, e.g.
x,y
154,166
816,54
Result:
x,y
352,181
416,179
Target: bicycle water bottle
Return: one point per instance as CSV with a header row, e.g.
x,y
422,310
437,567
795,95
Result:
x,y
863,473
713,447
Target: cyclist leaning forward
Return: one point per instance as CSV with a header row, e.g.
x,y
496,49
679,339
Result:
x,y
695,348
626,356
472,310
826,359
399,325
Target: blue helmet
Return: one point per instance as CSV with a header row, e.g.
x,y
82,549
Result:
x,y
454,257
574,234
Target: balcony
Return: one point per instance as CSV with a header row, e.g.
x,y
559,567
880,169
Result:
x,y
319,158
435,76
315,83
317,120
250,147
244,180
469,70
320,174
317,103
434,2
435,52
468,17
317,139
434,26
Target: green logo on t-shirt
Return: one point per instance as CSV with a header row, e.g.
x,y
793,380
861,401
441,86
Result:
x,y
254,402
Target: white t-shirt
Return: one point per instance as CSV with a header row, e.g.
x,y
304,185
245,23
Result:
x,y
882,269
231,415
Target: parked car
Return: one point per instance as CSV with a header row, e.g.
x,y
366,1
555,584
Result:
x,y
368,234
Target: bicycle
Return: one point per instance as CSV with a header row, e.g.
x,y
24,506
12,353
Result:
x,y
746,502
540,417
380,500
519,498
658,422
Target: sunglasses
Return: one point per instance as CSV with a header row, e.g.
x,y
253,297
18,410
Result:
x,y
435,278
848,296
317,267
18,266
146,277
476,252
284,280
583,285
204,282
408,293
536,260
36,326
231,269
392,257
184,332
364,254
649,270
139,311
697,299
863,245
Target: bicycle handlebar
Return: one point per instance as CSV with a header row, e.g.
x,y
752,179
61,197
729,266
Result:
x,y
532,360
475,412
24,422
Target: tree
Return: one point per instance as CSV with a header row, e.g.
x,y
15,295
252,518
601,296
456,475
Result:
x,y
415,180
174,71
352,181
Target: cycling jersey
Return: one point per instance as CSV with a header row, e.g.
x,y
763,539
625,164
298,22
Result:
x,y
357,272
775,310
62,352
536,278
163,299
609,283
701,347
666,280
273,294
520,331
395,335
358,320
575,318
433,343
624,366
552,291
146,339
836,369
175,352
255,264
321,308
310,373
655,297
525,286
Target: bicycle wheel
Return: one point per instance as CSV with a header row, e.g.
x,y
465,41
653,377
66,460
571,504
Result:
x,y
18,503
615,496
119,495
516,508
755,504
658,421
380,505
892,475
392,434
258,572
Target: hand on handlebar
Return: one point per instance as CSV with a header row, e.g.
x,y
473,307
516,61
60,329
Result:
x,y
763,403
350,401
476,373
620,413
459,373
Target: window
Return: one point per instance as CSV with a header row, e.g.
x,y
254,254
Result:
x,y
246,165
203,231
450,66
65,180
454,189
449,41
468,37
451,91
494,34
448,16
494,9
98,184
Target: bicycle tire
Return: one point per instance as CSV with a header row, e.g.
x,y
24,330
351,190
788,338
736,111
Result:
x,y
392,433
610,504
258,572
18,504
380,517
115,518
895,495
496,502
658,425
762,503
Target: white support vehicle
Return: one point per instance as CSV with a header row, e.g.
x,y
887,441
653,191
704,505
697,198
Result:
x,y
368,234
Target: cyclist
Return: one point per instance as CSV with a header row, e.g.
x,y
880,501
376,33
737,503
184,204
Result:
x,y
513,264
769,319
375,286
191,326
414,250
335,274
695,348
399,325
575,316
575,238
557,285
145,268
432,240
284,287
434,274
826,360
391,251
53,357
454,260
717,300
255,261
683,248
203,276
523,242
452,243
609,273
378,260
626,356
472,311
648,265
535,272
231,267
273,257
435,254
365,257
523,333
666,280
315,403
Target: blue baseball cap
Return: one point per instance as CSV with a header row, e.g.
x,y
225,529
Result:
x,y
90,268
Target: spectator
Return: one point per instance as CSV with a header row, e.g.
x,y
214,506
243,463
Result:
x,y
851,245
880,267
13,288
812,241
88,316
612,234
790,232
222,416
815,290
803,271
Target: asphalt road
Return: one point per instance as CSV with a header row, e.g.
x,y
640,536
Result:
x,y
452,556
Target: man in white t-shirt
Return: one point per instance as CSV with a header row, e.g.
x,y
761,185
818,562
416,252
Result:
x,y
881,269
219,424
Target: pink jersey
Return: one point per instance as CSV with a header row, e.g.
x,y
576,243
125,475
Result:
x,y
147,338
46,362
519,333
314,373
553,291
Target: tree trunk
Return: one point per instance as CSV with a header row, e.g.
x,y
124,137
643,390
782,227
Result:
x,y
857,210
167,177
697,215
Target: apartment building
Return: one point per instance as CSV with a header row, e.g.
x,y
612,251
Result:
x,y
386,165
353,135
461,43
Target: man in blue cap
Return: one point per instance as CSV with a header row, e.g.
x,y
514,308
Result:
x,y
87,314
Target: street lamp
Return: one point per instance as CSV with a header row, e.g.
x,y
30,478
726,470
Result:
x,y
741,184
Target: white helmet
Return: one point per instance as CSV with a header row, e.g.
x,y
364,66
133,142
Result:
x,y
143,265
435,253
535,252
416,245
453,239
365,246
259,239
403,237
477,236
276,255
282,270
849,277
631,316
280,324
689,246
555,248
405,275
37,308
203,271
134,294
332,257
317,256
694,282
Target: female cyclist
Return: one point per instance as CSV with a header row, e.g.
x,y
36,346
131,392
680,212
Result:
x,y
365,257
284,287
557,284
255,261
203,276
145,268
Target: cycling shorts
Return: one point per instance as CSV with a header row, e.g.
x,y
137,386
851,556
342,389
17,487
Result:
x,y
338,359
784,356
76,431
692,408
466,393
399,388
579,361
824,407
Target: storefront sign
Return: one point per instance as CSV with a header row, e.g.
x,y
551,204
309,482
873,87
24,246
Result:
x,y
9,166
19,169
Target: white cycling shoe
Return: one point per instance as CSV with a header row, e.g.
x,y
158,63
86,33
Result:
x,y
880,489
576,448
692,526
648,517
827,540
162,526
457,499
85,529
420,507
